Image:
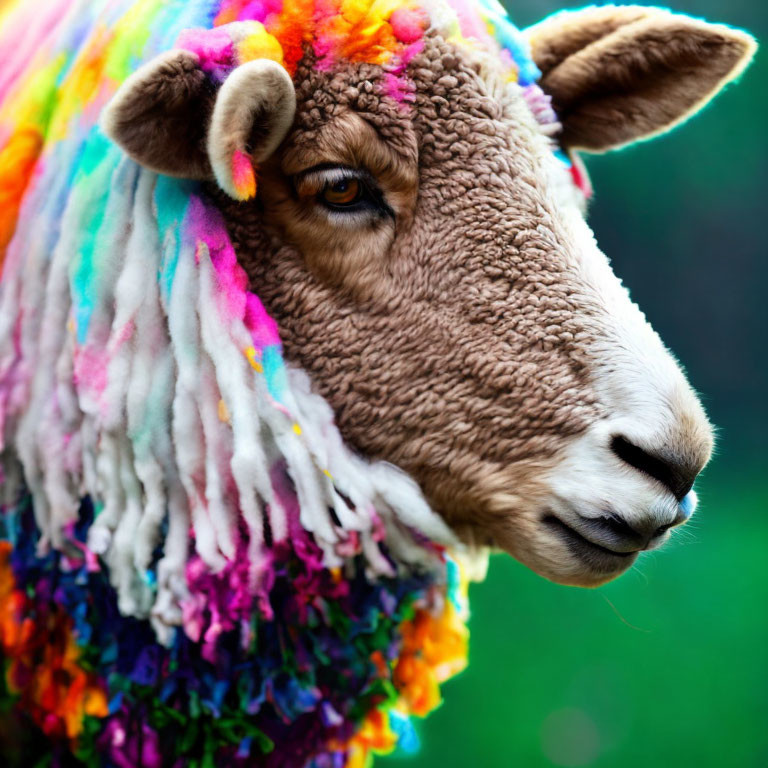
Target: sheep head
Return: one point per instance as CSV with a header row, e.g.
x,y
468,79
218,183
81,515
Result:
x,y
414,226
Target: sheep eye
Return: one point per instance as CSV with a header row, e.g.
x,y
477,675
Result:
x,y
341,193
348,195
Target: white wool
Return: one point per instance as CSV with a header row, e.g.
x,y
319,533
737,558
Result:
x,y
166,425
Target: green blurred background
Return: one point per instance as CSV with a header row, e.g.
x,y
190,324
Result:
x,y
668,666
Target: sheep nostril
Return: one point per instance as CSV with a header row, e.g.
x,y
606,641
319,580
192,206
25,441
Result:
x,y
676,475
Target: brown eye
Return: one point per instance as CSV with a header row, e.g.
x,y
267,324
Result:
x,y
348,196
342,192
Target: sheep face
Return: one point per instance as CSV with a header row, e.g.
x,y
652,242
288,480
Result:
x,y
459,317
428,263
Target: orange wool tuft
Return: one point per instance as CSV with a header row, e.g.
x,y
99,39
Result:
x,y
292,30
434,649
43,662
369,36
375,735
17,164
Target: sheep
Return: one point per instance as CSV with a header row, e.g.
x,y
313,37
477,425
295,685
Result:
x,y
299,317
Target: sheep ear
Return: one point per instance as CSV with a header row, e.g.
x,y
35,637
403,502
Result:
x,y
253,112
168,117
619,74
159,116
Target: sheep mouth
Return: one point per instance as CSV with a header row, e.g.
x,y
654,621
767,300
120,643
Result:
x,y
598,557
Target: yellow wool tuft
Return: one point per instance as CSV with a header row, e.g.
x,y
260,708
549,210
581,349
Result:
x,y
260,44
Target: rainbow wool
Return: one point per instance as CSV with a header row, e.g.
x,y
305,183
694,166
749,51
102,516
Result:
x,y
194,569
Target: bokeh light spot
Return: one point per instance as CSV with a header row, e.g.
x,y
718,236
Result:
x,y
570,737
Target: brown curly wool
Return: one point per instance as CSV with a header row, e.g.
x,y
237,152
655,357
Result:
x,y
458,348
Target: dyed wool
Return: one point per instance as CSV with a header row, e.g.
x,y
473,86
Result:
x,y
195,569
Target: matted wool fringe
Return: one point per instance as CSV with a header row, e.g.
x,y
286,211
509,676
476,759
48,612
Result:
x,y
151,381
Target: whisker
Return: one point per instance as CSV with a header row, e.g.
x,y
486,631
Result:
x,y
623,619
644,578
